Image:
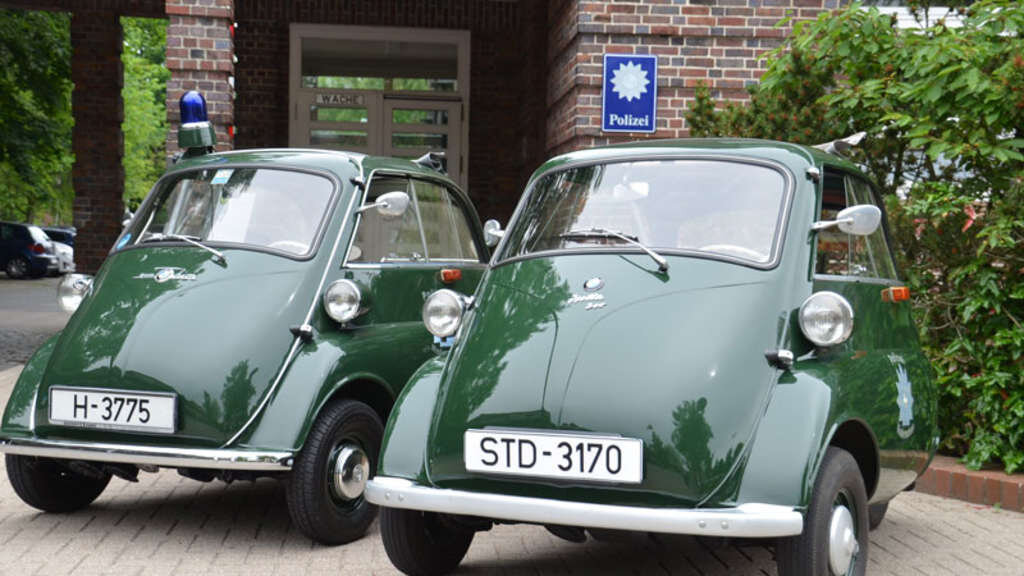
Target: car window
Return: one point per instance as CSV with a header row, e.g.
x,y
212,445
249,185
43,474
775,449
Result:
x,y
841,254
726,208
6,233
445,226
387,239
37,234
278,209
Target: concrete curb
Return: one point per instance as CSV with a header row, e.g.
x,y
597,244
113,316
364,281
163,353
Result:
x,y
948,478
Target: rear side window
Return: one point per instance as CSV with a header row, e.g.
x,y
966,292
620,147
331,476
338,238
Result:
x,y
841,254
444,223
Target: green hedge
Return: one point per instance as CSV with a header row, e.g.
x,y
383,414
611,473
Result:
x,y
944,111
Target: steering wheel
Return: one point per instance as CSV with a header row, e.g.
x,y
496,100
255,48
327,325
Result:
x,y
296,246
734,250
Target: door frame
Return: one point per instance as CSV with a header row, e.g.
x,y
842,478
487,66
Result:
x,y
460,38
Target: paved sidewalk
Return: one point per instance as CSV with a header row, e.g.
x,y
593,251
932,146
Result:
x,y
166,524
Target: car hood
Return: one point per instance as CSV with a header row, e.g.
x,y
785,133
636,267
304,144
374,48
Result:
x,y
215,336
675,360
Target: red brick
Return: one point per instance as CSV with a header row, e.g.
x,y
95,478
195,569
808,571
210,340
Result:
x,y
975,488
958,487
1010,495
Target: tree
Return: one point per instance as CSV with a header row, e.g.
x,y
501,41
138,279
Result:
x,y
35,114
145,112
943,108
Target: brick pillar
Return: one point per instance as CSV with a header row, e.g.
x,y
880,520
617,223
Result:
x,y
200,53
717,43
96,139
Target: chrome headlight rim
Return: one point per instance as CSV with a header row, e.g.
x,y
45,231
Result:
x,y
342,312
455,301
72,289
842,306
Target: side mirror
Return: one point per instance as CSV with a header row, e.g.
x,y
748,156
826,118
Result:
x,y
128,215
492,233
388,205
859,220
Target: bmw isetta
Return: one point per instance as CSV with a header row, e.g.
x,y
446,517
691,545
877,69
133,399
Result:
x,y
702,337
256,317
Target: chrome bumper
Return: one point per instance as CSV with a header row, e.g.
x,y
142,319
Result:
x,y
744,521
164,456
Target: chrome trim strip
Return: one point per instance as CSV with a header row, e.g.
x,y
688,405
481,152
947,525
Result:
x,y
744,521
858,279
164,456
317,296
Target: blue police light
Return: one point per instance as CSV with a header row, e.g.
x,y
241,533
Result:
x,y
193,107
195,135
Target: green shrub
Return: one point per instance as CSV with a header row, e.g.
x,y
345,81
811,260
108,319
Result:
x,y
944,111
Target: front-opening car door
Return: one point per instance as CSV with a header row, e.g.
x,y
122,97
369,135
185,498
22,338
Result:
x,y
882,373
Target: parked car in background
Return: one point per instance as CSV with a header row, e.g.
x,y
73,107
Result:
x,y
65,257
26,251
61,234
257,317
704,337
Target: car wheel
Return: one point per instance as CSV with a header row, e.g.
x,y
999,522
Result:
x,y
16,267
835,536
876,513
325,491
51,486
423,543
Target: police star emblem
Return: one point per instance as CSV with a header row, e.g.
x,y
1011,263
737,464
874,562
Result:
x,y
905,402
629,81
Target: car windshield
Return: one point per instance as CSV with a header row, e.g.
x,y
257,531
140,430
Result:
x,y
277,209
37,234
720,207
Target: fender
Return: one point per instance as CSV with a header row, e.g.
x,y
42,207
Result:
x,y
377,359
789,443
404,449
18,416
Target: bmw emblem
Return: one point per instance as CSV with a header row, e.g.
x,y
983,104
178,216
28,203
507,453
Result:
x,y
594,283
163,275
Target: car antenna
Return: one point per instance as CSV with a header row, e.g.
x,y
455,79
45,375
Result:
x,y
433,161
841,146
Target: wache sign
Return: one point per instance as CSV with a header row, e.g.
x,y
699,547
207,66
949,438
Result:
x,y
629,98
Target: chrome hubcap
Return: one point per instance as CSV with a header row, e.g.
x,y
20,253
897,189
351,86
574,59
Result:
x,y
350,472
842,540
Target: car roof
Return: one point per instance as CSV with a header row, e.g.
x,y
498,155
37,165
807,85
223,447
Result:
x,y
795,156
339,162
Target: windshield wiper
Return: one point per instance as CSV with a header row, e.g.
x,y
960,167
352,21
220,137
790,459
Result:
x,y
193,240
605,233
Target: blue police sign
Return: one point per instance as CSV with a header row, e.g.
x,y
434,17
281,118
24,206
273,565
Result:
x,y
629,99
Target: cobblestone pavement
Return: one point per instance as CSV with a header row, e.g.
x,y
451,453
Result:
x,y
167,524
28,315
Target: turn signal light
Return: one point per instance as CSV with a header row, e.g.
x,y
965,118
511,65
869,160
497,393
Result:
x,y
896,294
451,275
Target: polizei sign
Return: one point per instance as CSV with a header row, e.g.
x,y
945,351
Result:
x,y
629,98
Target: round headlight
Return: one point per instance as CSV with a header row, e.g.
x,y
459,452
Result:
x,y
71,290
442,312
826,318
341,300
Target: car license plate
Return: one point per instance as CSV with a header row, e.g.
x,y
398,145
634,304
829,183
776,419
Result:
x,y
113,409
572,456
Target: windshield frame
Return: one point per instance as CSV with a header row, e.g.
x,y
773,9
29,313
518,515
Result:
x,y
781,226
169,180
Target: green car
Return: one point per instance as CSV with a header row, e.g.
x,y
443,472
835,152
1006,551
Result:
x,y
257,317
704,337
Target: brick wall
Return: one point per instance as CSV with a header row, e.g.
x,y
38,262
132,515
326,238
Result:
x,y
717,42
507,78
96,139
200,57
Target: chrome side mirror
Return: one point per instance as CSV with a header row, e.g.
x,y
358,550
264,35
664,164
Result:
x,y
859,220
128,215
492,233
388,205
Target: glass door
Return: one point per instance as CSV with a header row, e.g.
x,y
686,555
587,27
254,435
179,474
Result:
x,y
340,120
413,127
